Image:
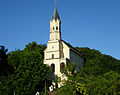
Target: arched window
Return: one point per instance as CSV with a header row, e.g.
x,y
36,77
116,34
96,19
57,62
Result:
x,y
53,68
62,65
53,28
52,56
56,28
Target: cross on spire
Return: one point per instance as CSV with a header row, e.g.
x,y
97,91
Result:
x,y
55,14
55,3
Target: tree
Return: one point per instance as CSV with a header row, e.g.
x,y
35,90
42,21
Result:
x,y
30,74
3,61
97,63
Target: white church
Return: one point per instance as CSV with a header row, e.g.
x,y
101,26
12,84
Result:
x,y
58,52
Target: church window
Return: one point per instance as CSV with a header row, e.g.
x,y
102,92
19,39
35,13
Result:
x,y
62,65
52,56
53,67
53,28
56,28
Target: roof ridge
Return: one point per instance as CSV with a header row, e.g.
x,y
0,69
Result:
x,y
74,49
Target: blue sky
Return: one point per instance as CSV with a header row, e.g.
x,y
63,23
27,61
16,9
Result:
x,y
85,23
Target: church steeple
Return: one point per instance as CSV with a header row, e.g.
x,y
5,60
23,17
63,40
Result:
x,y
55,26
55,15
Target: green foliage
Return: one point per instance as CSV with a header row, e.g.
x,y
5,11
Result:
x,y
30,74
107,84
5,69
24,73
97,63
67,89
70,70
3,59
80,89
101,75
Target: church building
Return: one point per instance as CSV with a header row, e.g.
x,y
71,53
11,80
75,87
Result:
x,y
58,52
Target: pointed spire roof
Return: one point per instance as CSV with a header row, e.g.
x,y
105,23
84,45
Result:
x,y
55,15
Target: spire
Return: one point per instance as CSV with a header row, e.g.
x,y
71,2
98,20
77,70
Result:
x,y
55,14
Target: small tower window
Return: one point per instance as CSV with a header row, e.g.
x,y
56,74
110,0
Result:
x,y
53,67
53,28
52,56
56,28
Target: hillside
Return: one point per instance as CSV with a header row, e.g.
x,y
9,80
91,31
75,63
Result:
x,y
97,63
101,75
26,74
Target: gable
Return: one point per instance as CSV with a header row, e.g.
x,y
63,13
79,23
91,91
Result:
x,y
73,49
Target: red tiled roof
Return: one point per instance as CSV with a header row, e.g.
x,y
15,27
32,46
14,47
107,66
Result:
x,y
52,93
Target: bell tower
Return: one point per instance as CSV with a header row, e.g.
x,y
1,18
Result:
x,y
55,26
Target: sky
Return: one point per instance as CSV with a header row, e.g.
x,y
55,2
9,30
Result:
x,y
85,23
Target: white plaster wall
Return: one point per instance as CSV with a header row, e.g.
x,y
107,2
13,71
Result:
x,y
57,65
55,34
54,23
53,46
56,62
56,55
66,51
